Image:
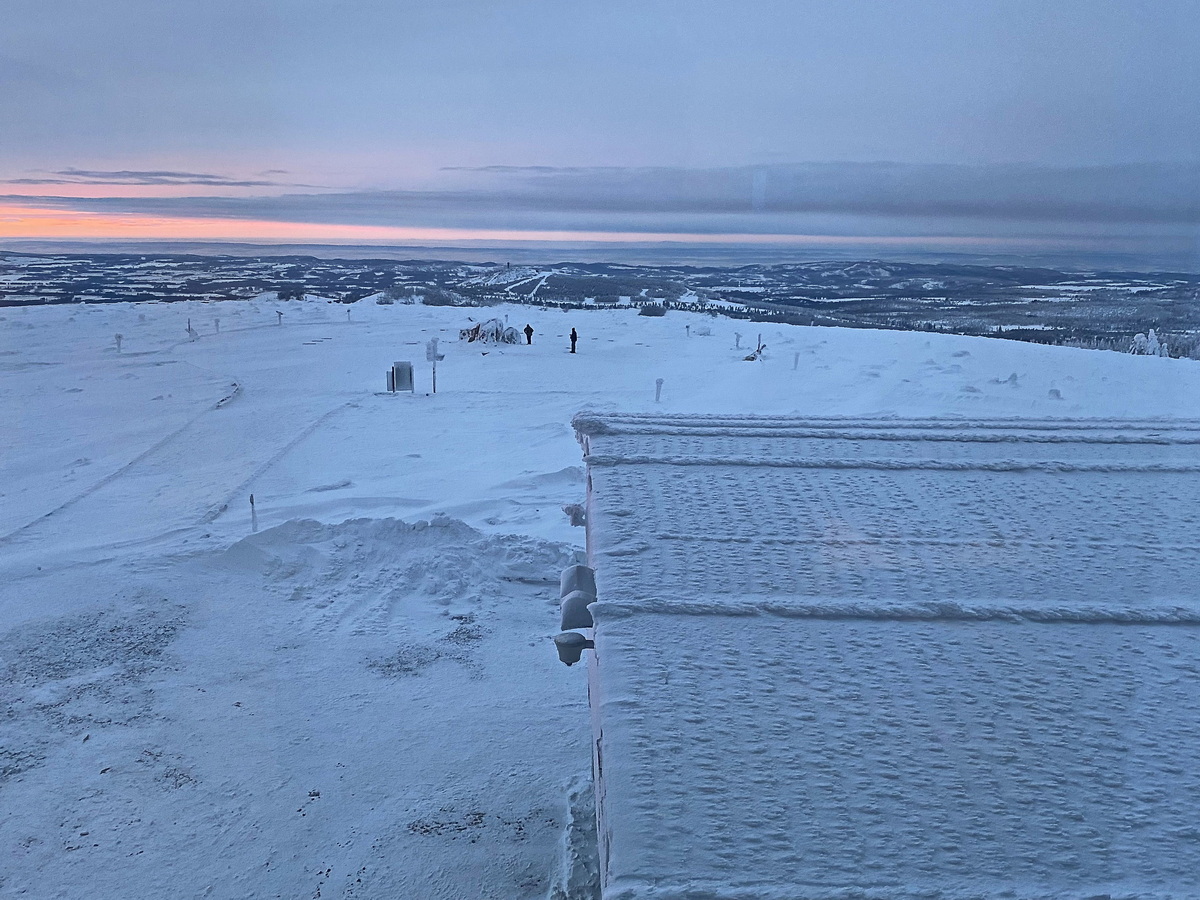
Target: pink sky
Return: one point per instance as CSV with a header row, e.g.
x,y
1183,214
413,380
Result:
x,y
24,222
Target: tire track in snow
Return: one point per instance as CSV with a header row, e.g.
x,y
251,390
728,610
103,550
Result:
x,y
217,511
110,477
164,443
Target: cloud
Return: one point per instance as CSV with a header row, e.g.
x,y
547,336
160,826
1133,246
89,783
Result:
x,y
140,178
1142,206
761,198
1167,193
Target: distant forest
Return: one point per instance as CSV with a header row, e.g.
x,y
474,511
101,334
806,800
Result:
x,y
1156,312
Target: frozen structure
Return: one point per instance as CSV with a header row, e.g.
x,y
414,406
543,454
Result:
x,y
493,331
894,659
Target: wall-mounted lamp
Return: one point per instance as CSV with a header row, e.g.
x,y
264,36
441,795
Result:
x,y
577,588
571,645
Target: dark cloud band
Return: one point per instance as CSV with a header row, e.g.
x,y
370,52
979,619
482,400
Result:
x,y
133,177
650,199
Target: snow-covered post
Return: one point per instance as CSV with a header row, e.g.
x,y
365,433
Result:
x,y
658,383
431,354
192,333
347,314
737,341
217,324
688,329
796,361
118,338
278,313
253,515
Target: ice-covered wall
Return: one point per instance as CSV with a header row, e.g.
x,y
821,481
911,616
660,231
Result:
x,y
896,658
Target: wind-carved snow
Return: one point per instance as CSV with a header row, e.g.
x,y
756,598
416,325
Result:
x,y
911,673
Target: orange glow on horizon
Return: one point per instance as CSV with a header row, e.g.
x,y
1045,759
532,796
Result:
x,y
33,223
90,191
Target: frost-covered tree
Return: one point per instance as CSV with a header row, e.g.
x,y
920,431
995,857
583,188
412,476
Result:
x,y
1149,345
492,331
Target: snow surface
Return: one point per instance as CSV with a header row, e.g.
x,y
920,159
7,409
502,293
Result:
x,y
895,659
360,698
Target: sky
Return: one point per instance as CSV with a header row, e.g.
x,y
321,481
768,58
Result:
x,y
1074,122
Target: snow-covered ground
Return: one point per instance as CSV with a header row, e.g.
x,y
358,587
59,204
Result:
x,y
349,690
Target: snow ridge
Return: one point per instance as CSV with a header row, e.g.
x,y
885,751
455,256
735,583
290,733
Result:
x,y
900,610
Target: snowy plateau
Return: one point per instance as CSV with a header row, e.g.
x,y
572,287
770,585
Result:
x,y
348,688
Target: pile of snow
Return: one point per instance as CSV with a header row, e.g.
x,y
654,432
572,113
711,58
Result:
x,y
353,709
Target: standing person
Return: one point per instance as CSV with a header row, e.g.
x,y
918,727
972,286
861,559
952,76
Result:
x,y
528,334
574,338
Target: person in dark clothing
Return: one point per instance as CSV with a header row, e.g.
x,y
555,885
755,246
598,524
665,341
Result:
x,y
528,334
574,338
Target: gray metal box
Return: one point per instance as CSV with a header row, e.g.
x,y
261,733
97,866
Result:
x,y
402,376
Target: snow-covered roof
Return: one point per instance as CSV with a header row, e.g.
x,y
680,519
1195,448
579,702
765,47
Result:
x,y
895,658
